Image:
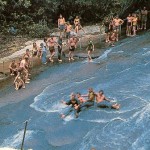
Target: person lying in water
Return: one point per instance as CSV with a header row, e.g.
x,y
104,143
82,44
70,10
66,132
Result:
x,y
104,102
90,99
73,102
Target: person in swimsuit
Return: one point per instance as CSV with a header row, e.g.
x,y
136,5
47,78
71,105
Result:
x,y
129,25
61,24
68,30
104,102
134,24
19,83
34,50
13,68
60,42
43,53
117,23
90,100
77,24
73,102
72,46
112,37
51,43
107,29
144,14
90,49
139,16
80,98
23,69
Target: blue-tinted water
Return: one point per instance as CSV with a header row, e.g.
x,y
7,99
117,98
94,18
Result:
x,y
123,72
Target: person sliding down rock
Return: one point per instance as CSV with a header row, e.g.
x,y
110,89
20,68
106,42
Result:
x,y
73,102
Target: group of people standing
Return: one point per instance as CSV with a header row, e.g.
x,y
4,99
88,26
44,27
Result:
x,y
135,21
69,31
70,34
78,102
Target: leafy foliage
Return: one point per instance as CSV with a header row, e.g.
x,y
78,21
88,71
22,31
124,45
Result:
x,y
26,13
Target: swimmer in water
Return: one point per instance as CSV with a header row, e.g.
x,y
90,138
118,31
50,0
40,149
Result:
x,y
104,102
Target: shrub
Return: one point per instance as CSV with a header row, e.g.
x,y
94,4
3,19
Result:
x,y
38,30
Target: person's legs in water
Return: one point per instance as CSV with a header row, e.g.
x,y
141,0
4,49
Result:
x,y
115,106
87,104
77,110
106,104
67,111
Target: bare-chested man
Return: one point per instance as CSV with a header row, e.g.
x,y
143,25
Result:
x,y
51,43
61,24
68,30
13,68
104,102
72,46
19,83
129,25
117,23
144,14
23,69
80,98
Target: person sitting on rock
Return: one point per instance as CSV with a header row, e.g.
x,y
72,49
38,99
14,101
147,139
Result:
x,y
78,24
13,68
112,37
19,83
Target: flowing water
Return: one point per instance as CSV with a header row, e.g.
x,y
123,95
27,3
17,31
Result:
x,y
123,72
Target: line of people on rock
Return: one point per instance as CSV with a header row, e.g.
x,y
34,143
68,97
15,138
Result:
x,y
78,102
21,70
135,21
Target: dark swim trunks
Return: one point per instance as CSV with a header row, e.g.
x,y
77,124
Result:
x,y
51,49
144,18
61,27
129,24
72,48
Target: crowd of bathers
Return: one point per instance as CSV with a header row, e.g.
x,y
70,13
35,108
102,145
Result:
x,y
69,32
78,102
134,22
